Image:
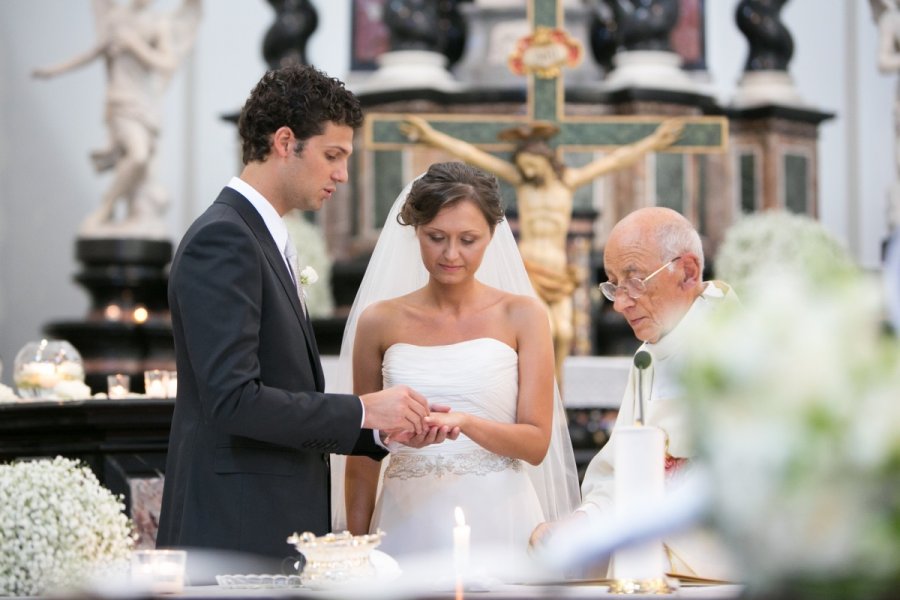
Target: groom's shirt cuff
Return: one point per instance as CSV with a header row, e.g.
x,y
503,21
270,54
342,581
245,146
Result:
x,y
375,432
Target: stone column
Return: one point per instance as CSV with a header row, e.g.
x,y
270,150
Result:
x,y
285,40
421,31
766,79
645,58
603,34
774,133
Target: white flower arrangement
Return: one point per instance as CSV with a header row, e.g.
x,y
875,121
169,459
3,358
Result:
x,y
71,389
308,276
58,527
794,398
35,376
761,241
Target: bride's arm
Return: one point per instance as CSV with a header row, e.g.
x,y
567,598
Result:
x,y
360,484
529,437
361,474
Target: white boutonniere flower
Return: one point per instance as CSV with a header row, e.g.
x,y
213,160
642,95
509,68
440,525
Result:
x,y
308,276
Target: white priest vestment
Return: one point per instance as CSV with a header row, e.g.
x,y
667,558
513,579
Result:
x,y
697,552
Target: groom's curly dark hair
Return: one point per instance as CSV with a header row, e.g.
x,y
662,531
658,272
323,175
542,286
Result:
x,y
300,97
446,184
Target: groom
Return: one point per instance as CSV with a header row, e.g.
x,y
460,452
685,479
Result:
x,y
252,429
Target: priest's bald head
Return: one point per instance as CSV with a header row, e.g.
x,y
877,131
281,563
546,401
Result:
x,y
654,261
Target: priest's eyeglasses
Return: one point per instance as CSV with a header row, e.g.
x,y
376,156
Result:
x,y
634,287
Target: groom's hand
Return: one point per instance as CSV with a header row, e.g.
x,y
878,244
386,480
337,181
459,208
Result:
x,y
430,435
399,408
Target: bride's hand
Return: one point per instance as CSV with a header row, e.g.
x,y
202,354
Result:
x,y
430,435
445,418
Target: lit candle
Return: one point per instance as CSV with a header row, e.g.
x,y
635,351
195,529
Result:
x,y
117,385
156,389
43,373
172,384
461,537
156,383
159,571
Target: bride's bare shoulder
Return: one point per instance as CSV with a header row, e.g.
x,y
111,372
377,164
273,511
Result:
x,y
524,312
386,311
518,304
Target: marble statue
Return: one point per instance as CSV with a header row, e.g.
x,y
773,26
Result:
x,y
141,50
887,17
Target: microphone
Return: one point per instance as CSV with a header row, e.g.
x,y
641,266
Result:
x,y
642,361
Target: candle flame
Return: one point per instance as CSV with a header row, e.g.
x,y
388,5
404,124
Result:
x,y
140,314
460,517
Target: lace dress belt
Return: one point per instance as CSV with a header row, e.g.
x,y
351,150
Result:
x,y
477,462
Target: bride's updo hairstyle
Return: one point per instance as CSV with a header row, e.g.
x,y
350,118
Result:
x,y
446,184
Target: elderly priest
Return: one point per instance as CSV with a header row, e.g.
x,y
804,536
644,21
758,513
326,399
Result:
x,y
654,261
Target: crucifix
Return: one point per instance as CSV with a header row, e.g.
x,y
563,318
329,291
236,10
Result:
x,y
545,186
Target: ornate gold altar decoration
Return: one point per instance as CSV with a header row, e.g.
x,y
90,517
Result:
x,y
544,52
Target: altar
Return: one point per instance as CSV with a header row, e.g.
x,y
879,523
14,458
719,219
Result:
x,y
124,441
573,590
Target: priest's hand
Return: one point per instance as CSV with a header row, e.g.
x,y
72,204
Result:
x,y
542,533
396,409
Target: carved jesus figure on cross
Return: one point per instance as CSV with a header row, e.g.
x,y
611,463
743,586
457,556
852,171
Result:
x,y
544,191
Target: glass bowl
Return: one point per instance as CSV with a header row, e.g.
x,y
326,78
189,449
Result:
x,y
336,559
41,366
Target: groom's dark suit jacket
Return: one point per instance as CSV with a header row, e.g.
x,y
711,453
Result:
x,y
248,451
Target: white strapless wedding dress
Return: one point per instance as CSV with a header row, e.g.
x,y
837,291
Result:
x,y
421,487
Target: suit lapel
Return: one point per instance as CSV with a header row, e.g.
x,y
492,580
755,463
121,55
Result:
x,y
276,261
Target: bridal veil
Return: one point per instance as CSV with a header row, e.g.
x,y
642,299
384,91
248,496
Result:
x,y
395,269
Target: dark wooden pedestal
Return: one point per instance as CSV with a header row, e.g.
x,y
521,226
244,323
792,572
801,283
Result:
x,y
128,328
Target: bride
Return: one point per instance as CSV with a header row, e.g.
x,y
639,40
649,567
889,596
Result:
x,y
446,307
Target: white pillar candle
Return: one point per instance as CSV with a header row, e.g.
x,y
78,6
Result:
x,y
461,539
639,484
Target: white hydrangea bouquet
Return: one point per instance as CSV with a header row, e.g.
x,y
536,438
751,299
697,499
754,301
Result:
x,y
796,405
777,238
58,527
